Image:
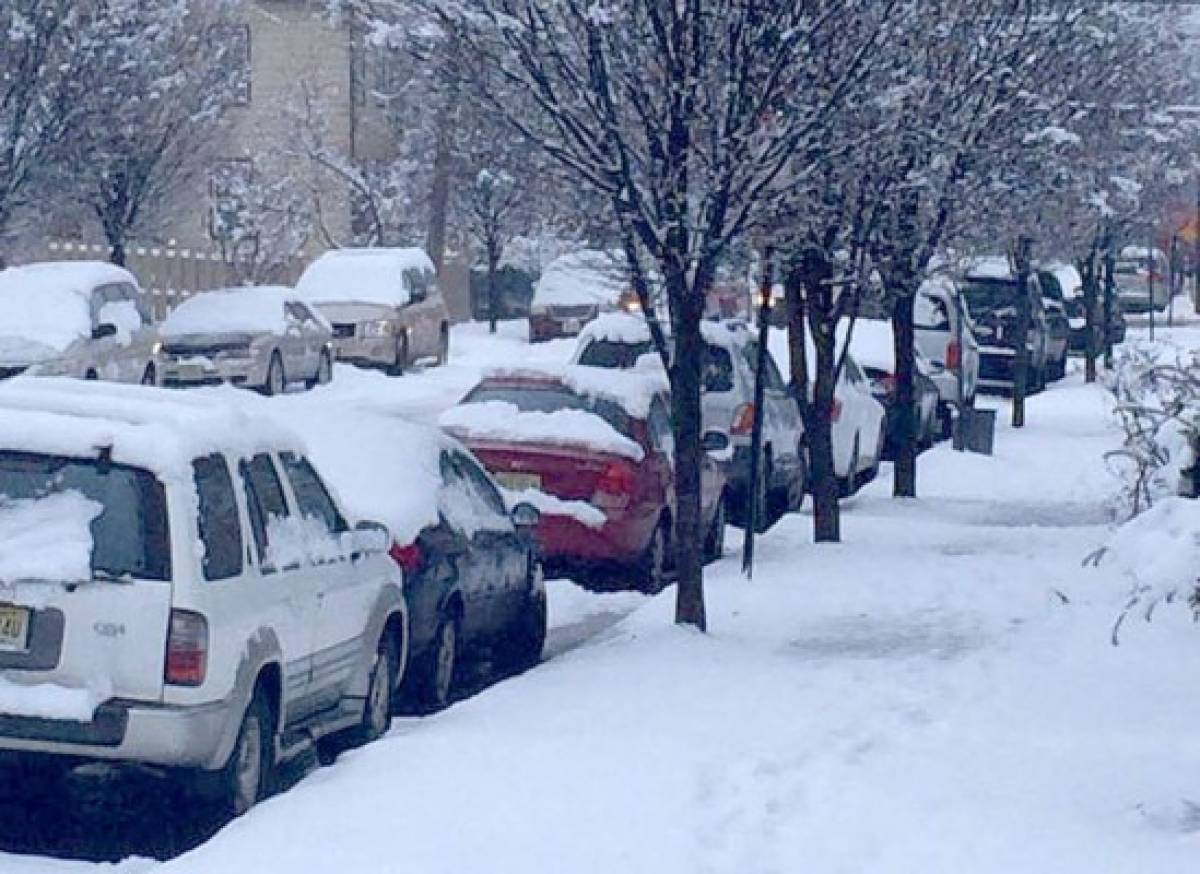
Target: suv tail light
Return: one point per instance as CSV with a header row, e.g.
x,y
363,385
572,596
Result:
x,y
743,420
408,557
953,355
187,649
615,486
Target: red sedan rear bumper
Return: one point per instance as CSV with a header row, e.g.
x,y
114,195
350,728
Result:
x,y
621,540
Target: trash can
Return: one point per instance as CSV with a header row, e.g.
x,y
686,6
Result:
x,y
975,430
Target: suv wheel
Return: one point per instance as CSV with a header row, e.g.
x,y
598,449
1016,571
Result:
x,y
243,780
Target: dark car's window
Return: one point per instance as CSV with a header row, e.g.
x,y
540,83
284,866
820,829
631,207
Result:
x,y
130,534
264,498
220,529
988,295
610,353
548,398
482,485
773,380
312,497
465,503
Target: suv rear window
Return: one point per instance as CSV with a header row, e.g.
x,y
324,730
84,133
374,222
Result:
x,y
129,536
548,398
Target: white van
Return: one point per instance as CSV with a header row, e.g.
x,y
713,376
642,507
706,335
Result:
x,y
178,587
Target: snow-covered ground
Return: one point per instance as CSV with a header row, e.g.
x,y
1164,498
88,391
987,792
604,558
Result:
x,y
938,693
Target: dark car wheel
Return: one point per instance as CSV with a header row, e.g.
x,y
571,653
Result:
x,y
430,680
524,640
652,570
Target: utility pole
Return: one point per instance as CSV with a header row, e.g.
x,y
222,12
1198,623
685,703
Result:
x,y
755,502
1110,266
1173,274
1022,258
1150,282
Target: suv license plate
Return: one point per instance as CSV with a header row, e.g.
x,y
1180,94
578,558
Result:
x,y
14,629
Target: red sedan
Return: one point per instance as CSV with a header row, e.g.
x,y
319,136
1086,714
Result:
x,y
593,450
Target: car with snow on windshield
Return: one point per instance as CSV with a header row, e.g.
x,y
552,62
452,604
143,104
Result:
x,y
472,575
264,338
384,305
593,451
622,341
573,290
75,318
180,588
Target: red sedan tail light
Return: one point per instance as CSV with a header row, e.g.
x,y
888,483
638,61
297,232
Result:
x,y
615,486
743,420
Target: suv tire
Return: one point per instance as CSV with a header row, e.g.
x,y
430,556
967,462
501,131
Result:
x,y
244,779
276,382
377,709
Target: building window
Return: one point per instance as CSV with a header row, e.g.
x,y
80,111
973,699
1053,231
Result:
x,y
234,41
228,186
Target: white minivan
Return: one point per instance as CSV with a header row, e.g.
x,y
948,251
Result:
x,y
179,588
944,334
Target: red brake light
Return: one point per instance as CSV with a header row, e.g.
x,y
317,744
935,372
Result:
x,y
615,485
187,649
408,557
743,420
953,355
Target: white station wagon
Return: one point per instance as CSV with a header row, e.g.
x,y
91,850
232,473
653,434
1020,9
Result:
x,y
178,587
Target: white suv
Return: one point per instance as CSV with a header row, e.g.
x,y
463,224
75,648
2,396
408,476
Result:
x,y
178,587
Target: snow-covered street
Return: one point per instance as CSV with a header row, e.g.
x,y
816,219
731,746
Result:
x,y
938,693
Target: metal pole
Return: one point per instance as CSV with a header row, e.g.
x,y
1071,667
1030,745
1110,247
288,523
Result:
x,y
757,489
1172,279
1110,267
1150,282
1021,257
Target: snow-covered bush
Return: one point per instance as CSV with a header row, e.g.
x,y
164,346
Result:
x,y
1156,387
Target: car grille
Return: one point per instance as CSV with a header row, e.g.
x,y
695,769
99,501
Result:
x,y
209,349
343,331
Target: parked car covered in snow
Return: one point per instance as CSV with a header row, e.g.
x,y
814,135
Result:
x,y
872,345
263,338
1061,282
1142,278
593,451
472,578
990,288
180,588
574,289
622,341
75,318
384,305
945,336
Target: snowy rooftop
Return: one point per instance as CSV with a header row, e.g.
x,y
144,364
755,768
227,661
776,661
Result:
x,y
151,428
989,267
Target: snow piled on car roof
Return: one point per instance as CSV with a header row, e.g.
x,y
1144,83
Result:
x,y
371,276
631,328
589,276
159,430
257,310
44,308
989,267
504,422
631,390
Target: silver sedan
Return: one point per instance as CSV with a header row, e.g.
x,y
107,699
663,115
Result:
x,y
263,338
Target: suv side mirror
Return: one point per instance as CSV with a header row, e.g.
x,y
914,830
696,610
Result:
x,y
106,329
525,515
369,538
715,441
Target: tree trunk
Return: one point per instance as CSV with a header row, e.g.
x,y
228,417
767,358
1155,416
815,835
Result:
x,y
904,483
493,291
817,278
686,413
1088,269
439,192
